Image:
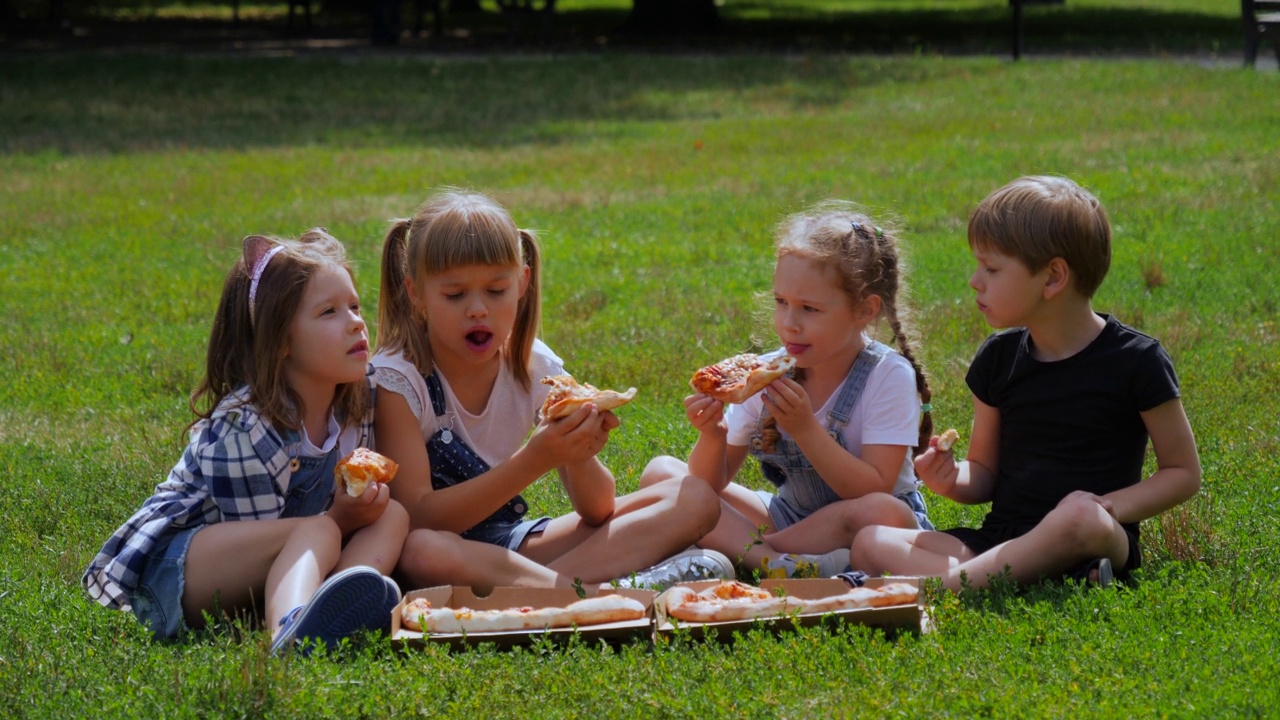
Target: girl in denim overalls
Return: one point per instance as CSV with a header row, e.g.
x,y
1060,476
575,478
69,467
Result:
x,y
288,394
458,369
835,441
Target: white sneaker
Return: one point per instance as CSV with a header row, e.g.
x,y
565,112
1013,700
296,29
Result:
x,y
823,566
692,564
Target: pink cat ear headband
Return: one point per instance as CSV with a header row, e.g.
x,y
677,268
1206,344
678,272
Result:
x,y
256,275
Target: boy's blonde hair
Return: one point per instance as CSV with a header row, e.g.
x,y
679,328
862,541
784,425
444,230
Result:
x,y
248,342
1038,218
865,259
453,229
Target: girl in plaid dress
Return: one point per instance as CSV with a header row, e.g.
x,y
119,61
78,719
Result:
x,y
285,394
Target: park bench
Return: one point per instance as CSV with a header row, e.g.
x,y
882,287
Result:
x,y
1260,17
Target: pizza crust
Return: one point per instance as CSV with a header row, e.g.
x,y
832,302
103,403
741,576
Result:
x,y
731,600
947,439
418,615
735,379
361,467
567,395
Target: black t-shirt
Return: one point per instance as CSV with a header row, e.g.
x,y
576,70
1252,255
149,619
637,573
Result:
x,y
1068,425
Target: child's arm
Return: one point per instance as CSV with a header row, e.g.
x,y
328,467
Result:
x,y
454,509
849,475
709,457
1177,475
590,485
973,480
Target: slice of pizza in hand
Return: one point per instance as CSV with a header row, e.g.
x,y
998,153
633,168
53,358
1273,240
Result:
x,y
567,395
948,439
735,379
361,467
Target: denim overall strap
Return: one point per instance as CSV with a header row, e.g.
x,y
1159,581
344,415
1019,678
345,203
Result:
x,y
800,487
869,358
453,462
311,485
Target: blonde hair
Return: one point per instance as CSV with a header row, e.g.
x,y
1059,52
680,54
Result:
x,y
1037,218
250,350
866,260
452,229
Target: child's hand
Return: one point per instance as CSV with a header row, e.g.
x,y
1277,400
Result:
x,y
938,469
789,404
1104,502
705,414
353,513
573,438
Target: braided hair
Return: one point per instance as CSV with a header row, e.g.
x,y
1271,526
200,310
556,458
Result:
x,y
867,261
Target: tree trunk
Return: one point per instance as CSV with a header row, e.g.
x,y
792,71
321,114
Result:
x,y
673,16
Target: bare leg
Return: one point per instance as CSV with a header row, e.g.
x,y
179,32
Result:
x,y
1074,531
231,566
647,526
434,557
835,525
378,544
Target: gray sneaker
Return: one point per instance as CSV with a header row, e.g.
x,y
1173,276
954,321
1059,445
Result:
x,y
692,564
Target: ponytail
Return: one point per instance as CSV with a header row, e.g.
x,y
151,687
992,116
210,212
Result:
x,y
529,313
400,325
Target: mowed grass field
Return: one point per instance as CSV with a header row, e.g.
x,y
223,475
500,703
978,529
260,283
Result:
x,y
654,183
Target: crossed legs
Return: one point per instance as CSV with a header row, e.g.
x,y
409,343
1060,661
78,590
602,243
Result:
x,y
1076,530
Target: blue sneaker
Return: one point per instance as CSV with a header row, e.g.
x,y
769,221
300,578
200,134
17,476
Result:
x,y
389,603
346,603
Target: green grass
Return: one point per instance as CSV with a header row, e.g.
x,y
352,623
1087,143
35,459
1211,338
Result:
x,y
128,182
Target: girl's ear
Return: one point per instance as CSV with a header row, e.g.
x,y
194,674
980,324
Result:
x,y
412,293
524,280
869,308
1057,278
254,247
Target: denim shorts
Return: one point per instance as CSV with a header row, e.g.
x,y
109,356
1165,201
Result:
x,y
157,601
784,515
507,535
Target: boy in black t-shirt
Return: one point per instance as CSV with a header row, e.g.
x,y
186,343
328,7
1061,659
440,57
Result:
x,y
1063,404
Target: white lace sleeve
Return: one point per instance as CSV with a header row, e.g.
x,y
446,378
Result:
x,y
395,381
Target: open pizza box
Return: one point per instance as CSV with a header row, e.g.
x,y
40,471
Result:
x,y
898,617
507,597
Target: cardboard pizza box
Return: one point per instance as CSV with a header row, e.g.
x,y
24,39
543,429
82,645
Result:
x,y
506,597
896,618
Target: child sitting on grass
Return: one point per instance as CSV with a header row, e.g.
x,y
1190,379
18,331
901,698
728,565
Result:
x,y
1063,404
288,394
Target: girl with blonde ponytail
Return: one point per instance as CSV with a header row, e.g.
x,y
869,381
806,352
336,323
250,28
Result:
x,y
836,439
458,370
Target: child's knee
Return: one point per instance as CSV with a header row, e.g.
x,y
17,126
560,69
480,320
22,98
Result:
x,y
1081,522
395,518
663,467
429,554
696,497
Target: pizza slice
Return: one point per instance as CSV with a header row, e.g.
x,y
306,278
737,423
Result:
x,y
567,395
361,467
947,439
735,379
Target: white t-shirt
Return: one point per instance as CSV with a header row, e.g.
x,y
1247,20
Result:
x,y
887,412
501,428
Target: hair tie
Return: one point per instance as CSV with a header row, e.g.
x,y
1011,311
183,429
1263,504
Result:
x,y
879,232
256,275
927,407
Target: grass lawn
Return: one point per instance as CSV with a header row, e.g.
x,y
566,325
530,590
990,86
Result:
x,y
654,183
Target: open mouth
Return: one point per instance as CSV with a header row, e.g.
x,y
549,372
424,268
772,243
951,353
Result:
x,y
360,347
479,339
